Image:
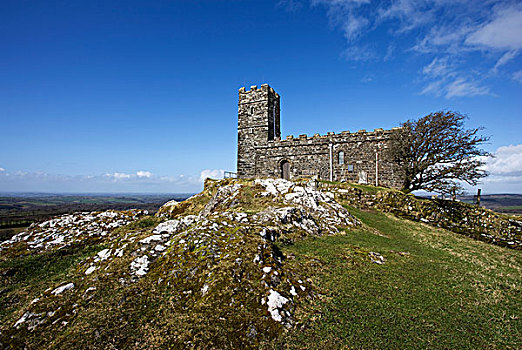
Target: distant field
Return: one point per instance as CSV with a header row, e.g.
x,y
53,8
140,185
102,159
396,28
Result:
x,y
502,203
20,210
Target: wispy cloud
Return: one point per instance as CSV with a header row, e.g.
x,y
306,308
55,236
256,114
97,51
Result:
x,y
462,87
460,32
502,32
119,176
354,26
142,173
445,38
409,14
517,76
367,78
439,67
444,79
508,56
290,5
389,53
2,169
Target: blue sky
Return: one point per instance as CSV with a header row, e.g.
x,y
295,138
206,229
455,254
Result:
x,y
141,96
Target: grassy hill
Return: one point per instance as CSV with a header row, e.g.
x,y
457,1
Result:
x,y
436,290
265,263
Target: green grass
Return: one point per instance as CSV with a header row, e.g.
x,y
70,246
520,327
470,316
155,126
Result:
x,y
23,278
512,207
7,233
436,290
368,188
143,223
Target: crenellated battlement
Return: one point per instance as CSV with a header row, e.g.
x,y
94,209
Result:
x,y
343,136
255,92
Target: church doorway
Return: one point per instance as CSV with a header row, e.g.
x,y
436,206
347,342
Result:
x,y
285,170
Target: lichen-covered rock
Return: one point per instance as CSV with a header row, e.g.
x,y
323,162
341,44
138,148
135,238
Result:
x,y
65,230
210,268
313,205
168,208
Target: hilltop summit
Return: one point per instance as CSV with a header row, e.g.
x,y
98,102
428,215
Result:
x,y
209,272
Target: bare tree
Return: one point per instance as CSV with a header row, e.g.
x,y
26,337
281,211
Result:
x,y
436,153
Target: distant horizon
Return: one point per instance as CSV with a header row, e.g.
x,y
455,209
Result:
x,y
22,193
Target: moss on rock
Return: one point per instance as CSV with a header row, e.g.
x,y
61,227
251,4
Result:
x,y
203,272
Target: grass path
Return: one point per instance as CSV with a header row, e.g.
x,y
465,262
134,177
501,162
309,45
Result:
x,y
437,290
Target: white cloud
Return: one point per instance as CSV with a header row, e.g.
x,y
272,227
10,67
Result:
x,y
439,67
410,14
434,88
462,87
505,171
517,76
508,160
503,32
444,79
367,78
354,25
389,52
142,173
119,176
123,176
345,15
488,24
212,173
508,56
2,169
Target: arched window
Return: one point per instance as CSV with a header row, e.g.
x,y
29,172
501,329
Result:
x,y
341,158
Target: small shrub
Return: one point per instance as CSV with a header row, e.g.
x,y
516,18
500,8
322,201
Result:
x,y
143,223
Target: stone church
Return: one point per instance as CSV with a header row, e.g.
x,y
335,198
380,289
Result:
x,y
358,157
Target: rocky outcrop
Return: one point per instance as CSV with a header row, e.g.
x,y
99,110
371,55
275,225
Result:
x,y
69,229
211,258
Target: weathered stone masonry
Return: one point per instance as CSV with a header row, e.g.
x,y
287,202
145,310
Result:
x,y
356,157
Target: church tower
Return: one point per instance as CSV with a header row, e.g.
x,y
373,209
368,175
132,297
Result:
x,y
258,123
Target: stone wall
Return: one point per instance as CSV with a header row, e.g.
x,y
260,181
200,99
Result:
x,y
261,151
469,220
364,157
